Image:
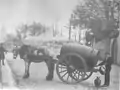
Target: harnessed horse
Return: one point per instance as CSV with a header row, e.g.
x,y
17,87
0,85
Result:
x,y
26,53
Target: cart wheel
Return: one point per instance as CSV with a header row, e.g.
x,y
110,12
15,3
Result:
x,y
68,72
87,75
81,72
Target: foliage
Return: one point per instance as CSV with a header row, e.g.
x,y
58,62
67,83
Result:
x,y
83,12
25,30
37,29
22,31
87,9
34,29
9,38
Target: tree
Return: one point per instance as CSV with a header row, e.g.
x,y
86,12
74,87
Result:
x,y
37,29
22,31
25,30
87,9
34,29
96,15
83,12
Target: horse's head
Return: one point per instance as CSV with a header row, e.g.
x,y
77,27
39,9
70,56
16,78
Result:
x,y
22,51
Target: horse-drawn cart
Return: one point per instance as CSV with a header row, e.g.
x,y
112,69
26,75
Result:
x,y
76,63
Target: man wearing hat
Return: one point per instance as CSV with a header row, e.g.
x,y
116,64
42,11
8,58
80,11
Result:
x,y
2,50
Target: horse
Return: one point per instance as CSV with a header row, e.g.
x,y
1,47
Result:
x,y
27,53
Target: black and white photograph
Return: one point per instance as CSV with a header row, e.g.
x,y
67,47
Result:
x,y
59,45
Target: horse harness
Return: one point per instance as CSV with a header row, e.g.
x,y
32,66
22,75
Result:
x,y
26,50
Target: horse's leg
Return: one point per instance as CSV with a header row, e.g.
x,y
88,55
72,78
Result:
x,y
50,65
27,66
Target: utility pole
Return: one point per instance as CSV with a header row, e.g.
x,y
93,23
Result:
x,y
70,31
69,28
79,33
71,21
119,14
53,27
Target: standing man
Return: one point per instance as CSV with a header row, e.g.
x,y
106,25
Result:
x,y
2,50
89,38
2,57
109,60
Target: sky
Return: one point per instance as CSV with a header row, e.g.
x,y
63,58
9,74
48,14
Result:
x,y
15,12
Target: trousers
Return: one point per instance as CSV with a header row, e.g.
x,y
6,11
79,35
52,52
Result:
x,y
108,70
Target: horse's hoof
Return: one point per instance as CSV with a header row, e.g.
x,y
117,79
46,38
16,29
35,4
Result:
x,y
49,78
25,76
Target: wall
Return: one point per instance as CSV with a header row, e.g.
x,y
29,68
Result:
x,y
118,52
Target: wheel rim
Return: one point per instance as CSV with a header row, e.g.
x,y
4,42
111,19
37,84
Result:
x,y
69,77
68,73
87,75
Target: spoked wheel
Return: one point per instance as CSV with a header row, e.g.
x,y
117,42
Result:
x,y
69,70
87,75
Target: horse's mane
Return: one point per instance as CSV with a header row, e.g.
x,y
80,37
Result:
x,y
26,49
23,50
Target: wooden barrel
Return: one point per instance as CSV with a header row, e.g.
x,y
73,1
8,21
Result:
x,y
89,54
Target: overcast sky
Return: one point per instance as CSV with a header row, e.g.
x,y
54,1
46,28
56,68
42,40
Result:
x,y
14,12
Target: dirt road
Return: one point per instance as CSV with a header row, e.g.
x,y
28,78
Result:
x,y
38,72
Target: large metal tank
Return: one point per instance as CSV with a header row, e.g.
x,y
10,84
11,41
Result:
x,y
88,53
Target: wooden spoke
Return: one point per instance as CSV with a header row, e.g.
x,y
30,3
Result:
x,y
74,76
63,71
68,77
86,74
60,66
64,74
78,74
